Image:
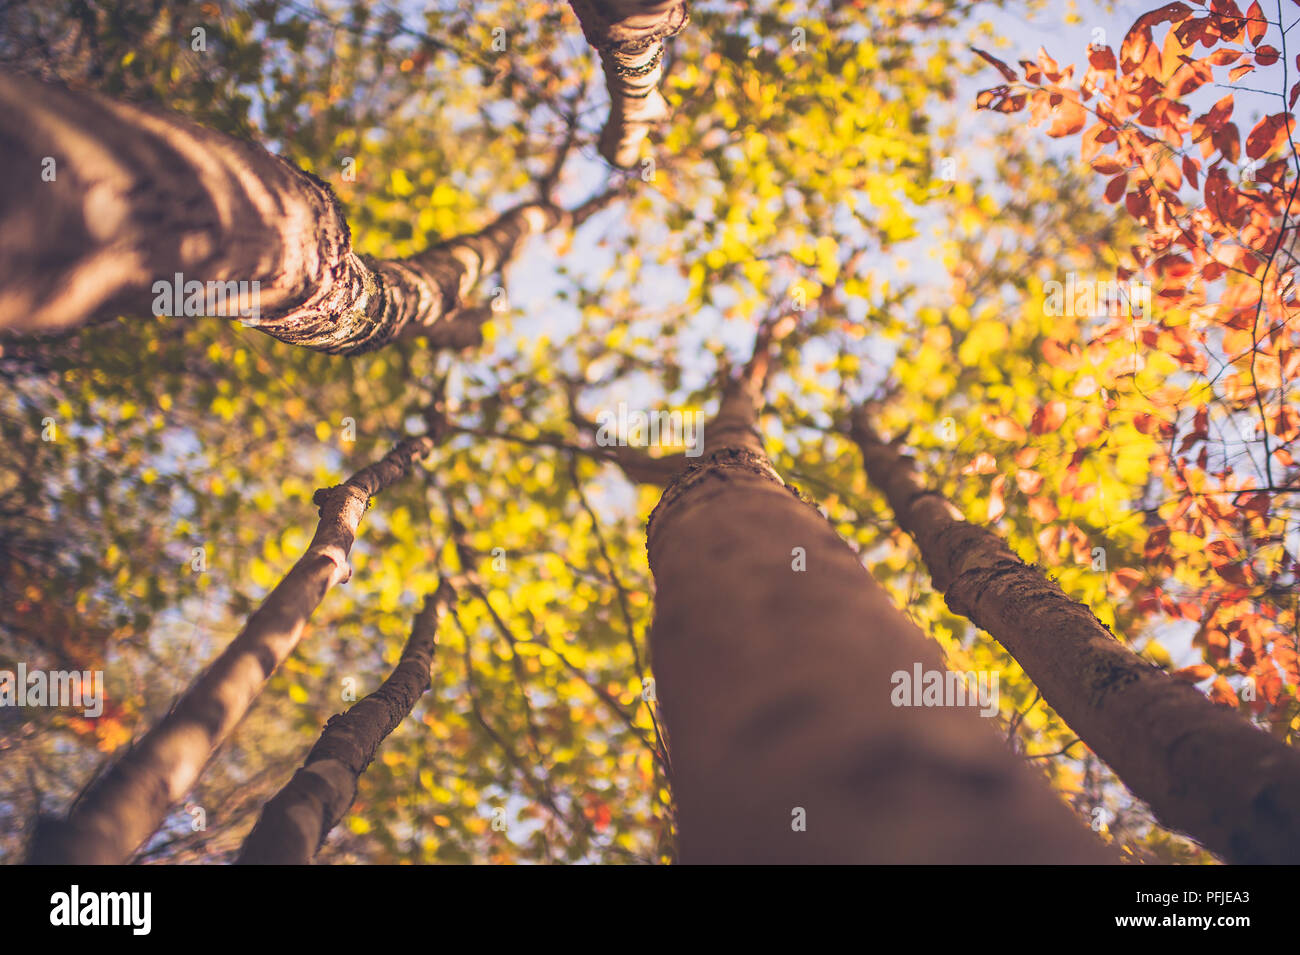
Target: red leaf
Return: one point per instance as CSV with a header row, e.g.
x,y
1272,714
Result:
x,y
1227,17
1266,56
1169,13
1101,58
1006,71
1268,135
1187,78
1001,99
1207,123
1107,165
1226,140
1048,418
1115,188
1138,205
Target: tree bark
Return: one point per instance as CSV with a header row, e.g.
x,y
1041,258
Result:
x,y
630,35
775,687
1202,769
295,822
120,809
140,196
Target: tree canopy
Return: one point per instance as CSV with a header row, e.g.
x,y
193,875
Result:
x,y
821,167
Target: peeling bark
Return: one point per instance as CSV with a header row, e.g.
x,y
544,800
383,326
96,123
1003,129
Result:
x,y
1202,769
630,35
295,822
775,687
141,195
121,808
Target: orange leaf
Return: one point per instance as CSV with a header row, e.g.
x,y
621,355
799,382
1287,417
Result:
x,y
1134,48
1257,24
1067,118
997,505
1224,57
1125,580
1006,428
1059,356
1029,481
984,463
1221,692
1048,418
1194,673
1026,456
1043,509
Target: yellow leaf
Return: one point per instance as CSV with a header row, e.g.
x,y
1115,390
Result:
x,y
400,184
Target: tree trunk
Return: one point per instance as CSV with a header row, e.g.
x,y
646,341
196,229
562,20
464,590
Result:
x,y
776,689
120,809
1202,769
295,822
141,196
630,35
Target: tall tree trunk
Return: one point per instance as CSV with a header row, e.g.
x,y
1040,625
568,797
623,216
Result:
x,y
776,689
1201,769
120,809
295,822
139,196
630,35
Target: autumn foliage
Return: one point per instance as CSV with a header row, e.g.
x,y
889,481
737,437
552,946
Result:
x,y
1217,217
